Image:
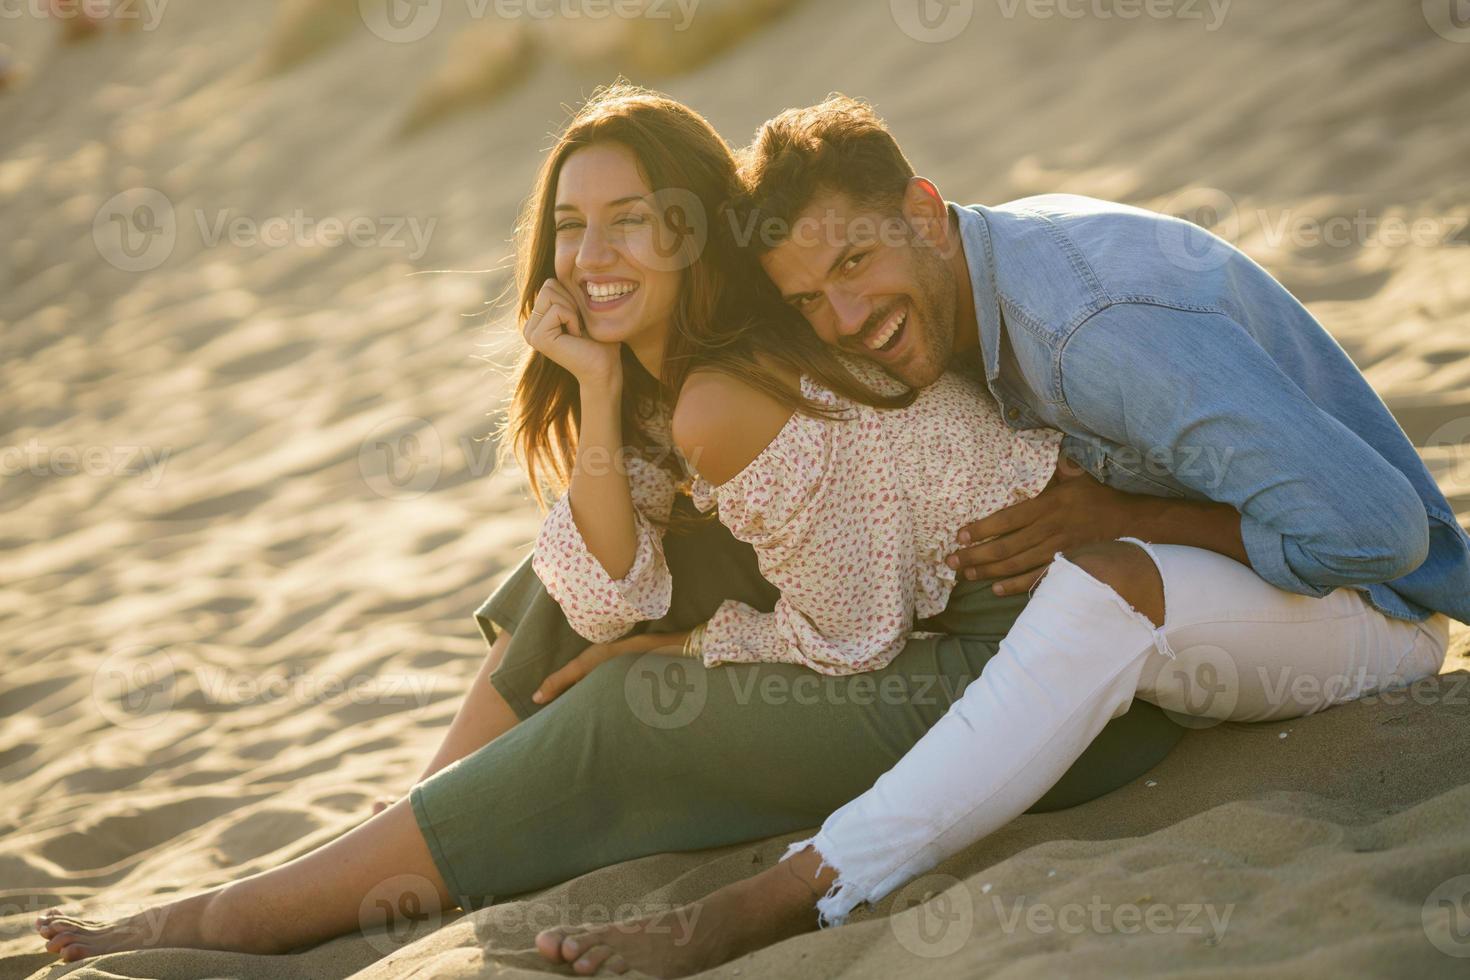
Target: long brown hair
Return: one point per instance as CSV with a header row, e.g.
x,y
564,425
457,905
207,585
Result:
x,y
727,312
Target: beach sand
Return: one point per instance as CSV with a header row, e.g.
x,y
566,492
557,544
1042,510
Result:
x,y
269,458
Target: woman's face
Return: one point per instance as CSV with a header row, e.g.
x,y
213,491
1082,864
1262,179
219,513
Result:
x,y
608,248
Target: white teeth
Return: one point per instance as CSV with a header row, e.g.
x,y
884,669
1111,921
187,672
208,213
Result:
x,y
886,334
609,290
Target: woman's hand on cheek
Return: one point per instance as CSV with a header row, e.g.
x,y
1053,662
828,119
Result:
x,y
555,328
599,653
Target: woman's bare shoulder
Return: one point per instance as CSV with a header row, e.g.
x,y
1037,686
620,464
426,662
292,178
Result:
x,y
722,422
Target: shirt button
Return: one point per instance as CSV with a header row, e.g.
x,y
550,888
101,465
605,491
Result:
x,y
1013,413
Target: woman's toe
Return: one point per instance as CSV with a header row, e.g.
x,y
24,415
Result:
x,y
76,951
591,961
572,947
548,944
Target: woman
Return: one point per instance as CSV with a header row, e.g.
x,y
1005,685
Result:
x,y
525,794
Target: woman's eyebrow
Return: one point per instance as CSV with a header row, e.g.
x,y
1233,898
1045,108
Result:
x,y
610,204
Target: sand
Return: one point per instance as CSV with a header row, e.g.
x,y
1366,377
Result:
x,y
195,435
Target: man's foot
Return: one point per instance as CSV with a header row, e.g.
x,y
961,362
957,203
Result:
x,y
776,904
186,923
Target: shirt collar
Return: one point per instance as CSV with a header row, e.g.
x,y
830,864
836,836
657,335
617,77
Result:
x,y
979,256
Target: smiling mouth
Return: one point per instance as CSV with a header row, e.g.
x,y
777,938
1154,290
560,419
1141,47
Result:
x,y
606,295
886,337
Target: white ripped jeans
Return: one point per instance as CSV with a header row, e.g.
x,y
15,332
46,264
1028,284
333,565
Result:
x,y
1231,648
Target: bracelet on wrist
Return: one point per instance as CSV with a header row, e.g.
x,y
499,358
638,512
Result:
x,y
694,643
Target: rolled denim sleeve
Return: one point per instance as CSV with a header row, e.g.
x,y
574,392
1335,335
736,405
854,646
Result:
x,y
1195,393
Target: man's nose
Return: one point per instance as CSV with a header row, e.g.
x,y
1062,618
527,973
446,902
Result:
x,y
850,311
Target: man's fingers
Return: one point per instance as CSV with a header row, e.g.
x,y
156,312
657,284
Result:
x,y
1005,548
1019,583
1003,521
1026,561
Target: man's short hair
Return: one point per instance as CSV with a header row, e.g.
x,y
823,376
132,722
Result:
x,y
839,145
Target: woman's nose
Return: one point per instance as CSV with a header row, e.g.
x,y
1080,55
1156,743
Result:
x,y
595,251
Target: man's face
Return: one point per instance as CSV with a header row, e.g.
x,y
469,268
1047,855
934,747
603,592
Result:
x,y
869,285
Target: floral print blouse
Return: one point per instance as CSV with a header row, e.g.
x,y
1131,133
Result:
x,y
851,518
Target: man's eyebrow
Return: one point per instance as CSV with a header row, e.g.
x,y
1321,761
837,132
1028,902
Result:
x,y
610,204
841,257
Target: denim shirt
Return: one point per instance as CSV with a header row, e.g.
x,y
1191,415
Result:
x,y
1179,367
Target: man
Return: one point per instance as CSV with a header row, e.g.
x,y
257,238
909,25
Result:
x,y
1176,367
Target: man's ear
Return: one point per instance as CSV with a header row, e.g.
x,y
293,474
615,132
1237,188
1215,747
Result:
x,y
926,212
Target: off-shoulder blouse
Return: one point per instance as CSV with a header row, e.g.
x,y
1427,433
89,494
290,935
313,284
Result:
x,y
851,519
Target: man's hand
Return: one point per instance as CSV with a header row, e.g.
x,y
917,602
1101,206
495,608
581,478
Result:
x,y
1016,544
598,653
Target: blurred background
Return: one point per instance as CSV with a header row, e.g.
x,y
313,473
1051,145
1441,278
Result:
x,y
250,356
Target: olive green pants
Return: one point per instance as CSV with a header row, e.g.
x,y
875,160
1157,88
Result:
x,y
654,753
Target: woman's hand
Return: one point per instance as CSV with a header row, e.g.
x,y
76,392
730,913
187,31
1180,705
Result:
x,y
555,329
588,660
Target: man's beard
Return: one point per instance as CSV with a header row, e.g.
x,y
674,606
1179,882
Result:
x,y
935,304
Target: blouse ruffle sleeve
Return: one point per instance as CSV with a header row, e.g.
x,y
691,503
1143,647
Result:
x,y
599,607
822,507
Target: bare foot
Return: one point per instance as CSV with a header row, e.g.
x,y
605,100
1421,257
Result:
x,y
382,803
184,923
748,915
